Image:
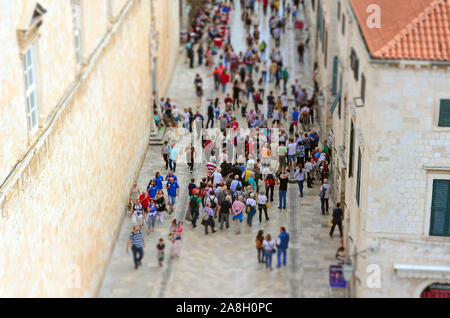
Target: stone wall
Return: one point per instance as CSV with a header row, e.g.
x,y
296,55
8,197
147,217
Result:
x,y
60,219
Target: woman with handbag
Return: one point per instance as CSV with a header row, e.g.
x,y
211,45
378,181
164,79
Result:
x,y
269,249
250,208
208,219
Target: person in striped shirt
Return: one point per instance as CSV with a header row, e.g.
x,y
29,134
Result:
x,y
211,166
136,240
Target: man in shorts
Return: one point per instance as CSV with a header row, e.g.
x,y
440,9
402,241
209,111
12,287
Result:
x,y
173,190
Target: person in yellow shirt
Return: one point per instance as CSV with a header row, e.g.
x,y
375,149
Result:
x,y
277,4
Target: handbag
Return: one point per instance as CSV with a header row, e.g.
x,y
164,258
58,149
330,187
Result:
x,y
267,205
322,194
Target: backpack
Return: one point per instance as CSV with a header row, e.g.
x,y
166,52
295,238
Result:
x,y
212,202
193,203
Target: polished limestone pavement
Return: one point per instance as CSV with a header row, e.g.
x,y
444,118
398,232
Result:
x,y
224,264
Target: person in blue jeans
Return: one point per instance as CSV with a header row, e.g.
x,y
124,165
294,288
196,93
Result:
x,y
136,240
282,191
269,245
282,244
300,175
250,202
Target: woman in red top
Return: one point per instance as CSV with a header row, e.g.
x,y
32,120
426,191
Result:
x,y
270,185
224,79
145,200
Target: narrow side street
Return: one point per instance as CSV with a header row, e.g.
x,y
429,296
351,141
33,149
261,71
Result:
x,y
224,264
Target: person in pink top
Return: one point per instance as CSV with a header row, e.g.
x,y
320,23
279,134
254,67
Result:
x,y
238,209
177,240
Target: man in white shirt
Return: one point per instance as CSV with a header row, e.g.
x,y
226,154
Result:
x,y
217,177
250,162
223,156
292,153
262,200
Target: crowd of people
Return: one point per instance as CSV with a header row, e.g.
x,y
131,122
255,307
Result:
x,y
242,165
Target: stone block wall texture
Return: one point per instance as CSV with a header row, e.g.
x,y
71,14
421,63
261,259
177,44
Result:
x,y
60,220
167,15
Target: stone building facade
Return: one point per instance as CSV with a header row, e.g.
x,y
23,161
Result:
x,y
76,107
384,110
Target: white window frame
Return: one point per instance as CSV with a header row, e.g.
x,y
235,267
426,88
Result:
x,y
29,60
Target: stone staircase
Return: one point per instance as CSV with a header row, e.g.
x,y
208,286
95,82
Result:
x,y
157,137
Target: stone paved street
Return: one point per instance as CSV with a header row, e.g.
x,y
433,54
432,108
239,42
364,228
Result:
x,y
224,264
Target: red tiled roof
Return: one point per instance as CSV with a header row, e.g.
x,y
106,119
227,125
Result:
x,y
410,29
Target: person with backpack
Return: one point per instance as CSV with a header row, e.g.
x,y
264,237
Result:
x,y
325,191
235,184
194,204
224,213
250,208
212,201
259,246
208,219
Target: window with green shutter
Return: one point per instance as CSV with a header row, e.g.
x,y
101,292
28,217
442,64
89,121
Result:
x,y
351,153
363,87
335,74
343,24
358,178
340,96
440,208
338,10
444,113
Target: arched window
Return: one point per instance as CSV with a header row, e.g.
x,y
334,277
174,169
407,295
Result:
x,y
436,290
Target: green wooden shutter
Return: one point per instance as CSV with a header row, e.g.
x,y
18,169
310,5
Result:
x,y
340,96
363,87
440,208
351,152
339,10
358,178
343,24
444,113
335,74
